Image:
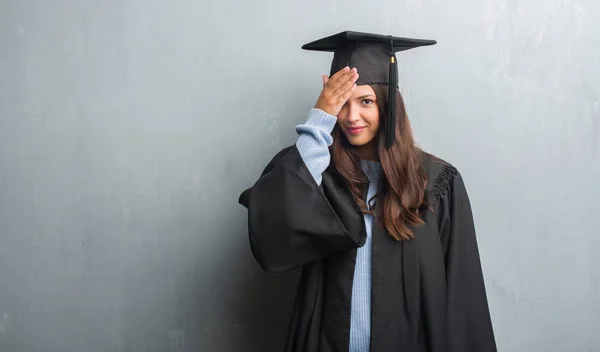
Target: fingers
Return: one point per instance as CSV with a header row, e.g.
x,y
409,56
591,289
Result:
x,y
337,90
342,76
345,96
342,81
347,84
345,75
340,73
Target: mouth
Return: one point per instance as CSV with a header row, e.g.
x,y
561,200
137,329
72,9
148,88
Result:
x,y
355,130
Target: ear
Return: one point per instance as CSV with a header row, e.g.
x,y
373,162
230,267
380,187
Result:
x,y
325,80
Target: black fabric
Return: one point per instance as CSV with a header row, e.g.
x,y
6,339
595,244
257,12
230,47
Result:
x,y
374,56
428,293
315,225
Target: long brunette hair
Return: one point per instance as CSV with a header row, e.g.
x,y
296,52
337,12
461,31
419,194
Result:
x,y
403,181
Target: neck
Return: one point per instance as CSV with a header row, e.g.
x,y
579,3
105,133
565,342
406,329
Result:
x,y
368,151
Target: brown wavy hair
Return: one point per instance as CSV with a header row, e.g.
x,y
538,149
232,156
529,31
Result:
x,y
401,190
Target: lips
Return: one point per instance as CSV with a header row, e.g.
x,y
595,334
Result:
x,y
355,130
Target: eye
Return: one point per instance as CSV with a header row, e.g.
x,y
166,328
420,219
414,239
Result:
x,y
367,101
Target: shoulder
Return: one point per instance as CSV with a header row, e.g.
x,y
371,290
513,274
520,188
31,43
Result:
x,y
437,169
440,176
278,156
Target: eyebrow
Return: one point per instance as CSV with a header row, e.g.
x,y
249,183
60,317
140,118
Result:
x,y
366,96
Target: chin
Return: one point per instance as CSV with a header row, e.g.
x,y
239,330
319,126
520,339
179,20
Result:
x,y
357,142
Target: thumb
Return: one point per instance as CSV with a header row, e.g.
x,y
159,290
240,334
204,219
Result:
x,y
325,80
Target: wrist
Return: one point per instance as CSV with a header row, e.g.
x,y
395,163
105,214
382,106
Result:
x,y
326,109
321,119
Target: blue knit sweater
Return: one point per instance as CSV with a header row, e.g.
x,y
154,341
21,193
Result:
x,y
313,142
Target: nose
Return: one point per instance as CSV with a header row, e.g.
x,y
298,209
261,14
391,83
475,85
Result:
x,y
353,115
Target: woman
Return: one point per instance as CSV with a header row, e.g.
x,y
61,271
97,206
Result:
x,y
383,231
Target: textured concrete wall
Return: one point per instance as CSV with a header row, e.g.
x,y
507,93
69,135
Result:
x,y
128,129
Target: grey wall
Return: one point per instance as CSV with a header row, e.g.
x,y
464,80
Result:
x,y
128,128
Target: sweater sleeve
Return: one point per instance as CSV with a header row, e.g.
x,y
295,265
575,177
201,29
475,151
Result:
x,y
314,140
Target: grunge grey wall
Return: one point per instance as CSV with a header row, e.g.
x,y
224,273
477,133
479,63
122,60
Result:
x,y
128,129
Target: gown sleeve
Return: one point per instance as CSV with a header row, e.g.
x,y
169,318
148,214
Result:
x,y
290,220
469,324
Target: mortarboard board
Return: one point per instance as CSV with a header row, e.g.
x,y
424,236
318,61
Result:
x,y
374,56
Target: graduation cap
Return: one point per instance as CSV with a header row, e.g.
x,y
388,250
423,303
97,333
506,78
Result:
x,y
374,56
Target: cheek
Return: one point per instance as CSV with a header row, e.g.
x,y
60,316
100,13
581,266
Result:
x,y
373,120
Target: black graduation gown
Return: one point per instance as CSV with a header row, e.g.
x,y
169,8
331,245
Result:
x,y
428,293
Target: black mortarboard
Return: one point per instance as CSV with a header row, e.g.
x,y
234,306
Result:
x,y
374,56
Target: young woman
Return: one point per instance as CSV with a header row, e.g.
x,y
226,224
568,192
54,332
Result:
x,y
382,230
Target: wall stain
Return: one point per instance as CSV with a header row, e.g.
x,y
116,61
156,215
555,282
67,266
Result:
x,y
176,341
3,324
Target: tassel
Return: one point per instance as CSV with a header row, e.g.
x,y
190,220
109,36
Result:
x,y
390,126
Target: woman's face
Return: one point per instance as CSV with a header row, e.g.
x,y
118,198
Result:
x,y
359,118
